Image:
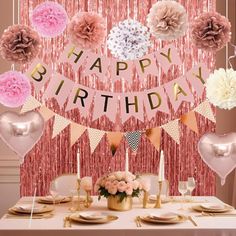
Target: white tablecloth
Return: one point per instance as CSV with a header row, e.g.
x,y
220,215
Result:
x,y
125,225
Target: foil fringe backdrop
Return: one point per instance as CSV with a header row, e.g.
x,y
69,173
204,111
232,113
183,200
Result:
x,y
53,157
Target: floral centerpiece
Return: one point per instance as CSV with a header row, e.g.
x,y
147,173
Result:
x,y
119,188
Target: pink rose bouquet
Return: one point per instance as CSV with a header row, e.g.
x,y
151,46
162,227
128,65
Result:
x,y
119,183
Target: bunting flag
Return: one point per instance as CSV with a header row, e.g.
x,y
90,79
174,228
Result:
x,y
133,139
205,110
172,128
76,131
154,136
189,119
30,104
60,123
46,113
114,139
95,137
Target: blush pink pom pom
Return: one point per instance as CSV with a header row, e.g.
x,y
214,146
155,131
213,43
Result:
x,y
87,30
49,19
15,88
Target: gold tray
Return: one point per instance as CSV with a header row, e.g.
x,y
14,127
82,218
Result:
x,y
47,201
178,219
45,208
202,209
77,218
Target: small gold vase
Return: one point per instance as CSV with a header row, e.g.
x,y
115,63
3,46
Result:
x,y
113,203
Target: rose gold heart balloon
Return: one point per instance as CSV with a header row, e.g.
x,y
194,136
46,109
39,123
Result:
x,y
219,153
21,131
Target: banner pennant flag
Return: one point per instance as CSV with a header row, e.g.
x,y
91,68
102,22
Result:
x,y
76,131
46,113
172,128
205,110
95,137
114,139
133,139
189,119
154,135
30,104
60,123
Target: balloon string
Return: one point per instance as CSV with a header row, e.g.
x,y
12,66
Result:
x,y
233,56
32,209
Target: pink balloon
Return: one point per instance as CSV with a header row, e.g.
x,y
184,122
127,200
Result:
x,y
21,131
219,153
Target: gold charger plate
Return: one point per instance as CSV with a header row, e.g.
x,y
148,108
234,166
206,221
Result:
x,y
77,218
44,209
202,209
178,219
49,201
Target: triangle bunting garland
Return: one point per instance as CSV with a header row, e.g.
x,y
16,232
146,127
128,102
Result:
x,y
189,119
114,139
205,110
133,139
46,113
95,137
172,128
60,123
154,135
30,104
76,131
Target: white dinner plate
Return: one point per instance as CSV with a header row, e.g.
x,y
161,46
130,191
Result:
x,y
93,215
164,216
213,206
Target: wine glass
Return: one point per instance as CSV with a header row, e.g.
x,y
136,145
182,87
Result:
x,y
182,188
191,185
53,192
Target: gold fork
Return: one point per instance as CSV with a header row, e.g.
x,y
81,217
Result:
x,y
139,221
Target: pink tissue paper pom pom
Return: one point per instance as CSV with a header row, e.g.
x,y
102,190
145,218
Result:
x,y
15,88
49,19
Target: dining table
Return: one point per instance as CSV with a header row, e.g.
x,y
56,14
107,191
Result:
x,y
196,223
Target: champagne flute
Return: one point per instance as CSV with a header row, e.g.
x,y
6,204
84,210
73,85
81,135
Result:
x,y
53,192
191,185
182,188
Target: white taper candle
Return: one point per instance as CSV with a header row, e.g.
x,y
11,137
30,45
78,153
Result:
x,y
161,174
126,161
78,164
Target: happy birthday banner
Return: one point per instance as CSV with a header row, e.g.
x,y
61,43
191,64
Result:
x,y
114,138
106,103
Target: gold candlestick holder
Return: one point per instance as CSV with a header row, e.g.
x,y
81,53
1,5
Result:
x,y
78,208
158,201
145,199
89,200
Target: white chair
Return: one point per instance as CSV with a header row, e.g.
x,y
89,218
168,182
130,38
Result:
x,y
155,186
65,183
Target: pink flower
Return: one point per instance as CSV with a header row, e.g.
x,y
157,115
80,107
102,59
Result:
x,y
121,186
112,189
107,184
115,182
129,189
15,88
135,184
111,177
86,183
49,19
119,175
87,30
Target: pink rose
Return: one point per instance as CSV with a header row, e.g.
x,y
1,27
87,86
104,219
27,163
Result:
x,y
112,189
121,186
119,175
107,184
129,189
115,183
111,177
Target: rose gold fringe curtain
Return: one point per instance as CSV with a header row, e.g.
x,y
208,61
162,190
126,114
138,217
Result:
x,y
53,157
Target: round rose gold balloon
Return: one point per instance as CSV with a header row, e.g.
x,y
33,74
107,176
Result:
x,y
219,153
21,131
